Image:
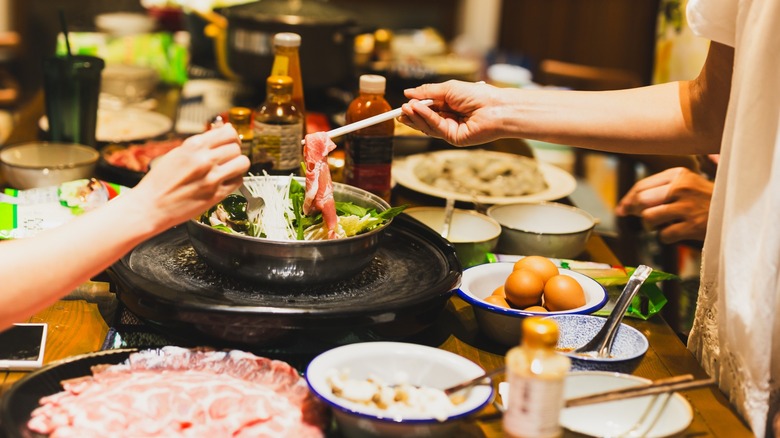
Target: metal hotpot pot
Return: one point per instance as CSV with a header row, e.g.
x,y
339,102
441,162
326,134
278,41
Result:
x,y
243,37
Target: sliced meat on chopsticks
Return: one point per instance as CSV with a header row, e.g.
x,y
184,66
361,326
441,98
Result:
x,y
319,186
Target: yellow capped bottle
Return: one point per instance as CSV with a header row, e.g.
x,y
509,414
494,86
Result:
x,y
287,63
278,131
535,373
369,151
241,119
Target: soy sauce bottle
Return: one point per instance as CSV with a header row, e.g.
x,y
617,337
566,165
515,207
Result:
x,y
278,131
369,151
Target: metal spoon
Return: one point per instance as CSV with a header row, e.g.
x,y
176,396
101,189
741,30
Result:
x,y
601,344
253,204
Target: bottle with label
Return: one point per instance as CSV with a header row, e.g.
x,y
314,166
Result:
x,y
535,373
241,119
369,151
287,63
278,131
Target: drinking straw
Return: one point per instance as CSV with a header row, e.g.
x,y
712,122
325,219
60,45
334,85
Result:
x,y
64,25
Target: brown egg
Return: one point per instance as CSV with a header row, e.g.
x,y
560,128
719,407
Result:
x,y
499,292
523,288
562,292
542,266
539,309
497,301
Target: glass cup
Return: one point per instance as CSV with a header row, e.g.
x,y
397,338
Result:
x,y
72,87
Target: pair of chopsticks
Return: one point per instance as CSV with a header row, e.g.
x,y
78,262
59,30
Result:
x,y
660,386
370,121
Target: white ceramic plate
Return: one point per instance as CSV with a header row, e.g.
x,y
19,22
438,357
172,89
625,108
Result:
x,y
117,126
651,416
559,182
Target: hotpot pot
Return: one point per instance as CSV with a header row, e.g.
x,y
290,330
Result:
x,y
243,36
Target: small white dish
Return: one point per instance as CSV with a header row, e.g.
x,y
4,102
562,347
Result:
x,y
129,124
651,416
472,234
394,363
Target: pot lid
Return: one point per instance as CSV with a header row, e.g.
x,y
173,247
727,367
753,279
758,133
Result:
x,y
294,12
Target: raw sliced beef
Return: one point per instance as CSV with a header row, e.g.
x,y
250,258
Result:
x,y
319,186
176,392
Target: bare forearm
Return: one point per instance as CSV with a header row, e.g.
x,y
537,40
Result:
x,y
38,271
647,120
673,118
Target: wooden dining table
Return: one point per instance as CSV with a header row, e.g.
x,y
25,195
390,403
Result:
x,y
77,327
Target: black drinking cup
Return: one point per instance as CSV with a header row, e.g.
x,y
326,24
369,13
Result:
x,y
72,87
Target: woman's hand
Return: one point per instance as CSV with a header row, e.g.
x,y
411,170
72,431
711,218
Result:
x,y
192,177
462,113
676,202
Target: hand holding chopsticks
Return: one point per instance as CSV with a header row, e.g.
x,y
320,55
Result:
x,y
370,121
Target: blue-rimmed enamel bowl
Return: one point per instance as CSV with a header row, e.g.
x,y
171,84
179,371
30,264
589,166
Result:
x,y
503,325
395,363
628,349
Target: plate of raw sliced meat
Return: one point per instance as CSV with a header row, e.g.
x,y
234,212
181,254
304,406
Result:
x,y
167,392
127,164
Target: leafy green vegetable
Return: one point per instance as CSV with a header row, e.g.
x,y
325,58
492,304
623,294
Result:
x,y
353,219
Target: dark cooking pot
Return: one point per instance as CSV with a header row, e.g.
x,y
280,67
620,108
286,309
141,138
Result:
x,y
243,36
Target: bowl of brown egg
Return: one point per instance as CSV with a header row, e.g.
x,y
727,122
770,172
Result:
x,y
504,293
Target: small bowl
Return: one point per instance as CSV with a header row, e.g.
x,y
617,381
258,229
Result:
x,y
131,83
666,414
472,234
548,229
503,325
394,363
576,330
43,164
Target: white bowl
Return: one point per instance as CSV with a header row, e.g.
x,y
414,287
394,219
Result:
x,y
396,362
666,414
548,229
503,325
131,83
42,164
472,234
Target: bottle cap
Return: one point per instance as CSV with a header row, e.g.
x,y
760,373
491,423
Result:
x,y
239,114
287,39
374,84
279,80
539,332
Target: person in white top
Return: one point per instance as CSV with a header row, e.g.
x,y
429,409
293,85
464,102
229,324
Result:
x,y
731,108
39,270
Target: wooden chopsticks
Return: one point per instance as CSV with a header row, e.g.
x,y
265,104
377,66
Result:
x,y
671,384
